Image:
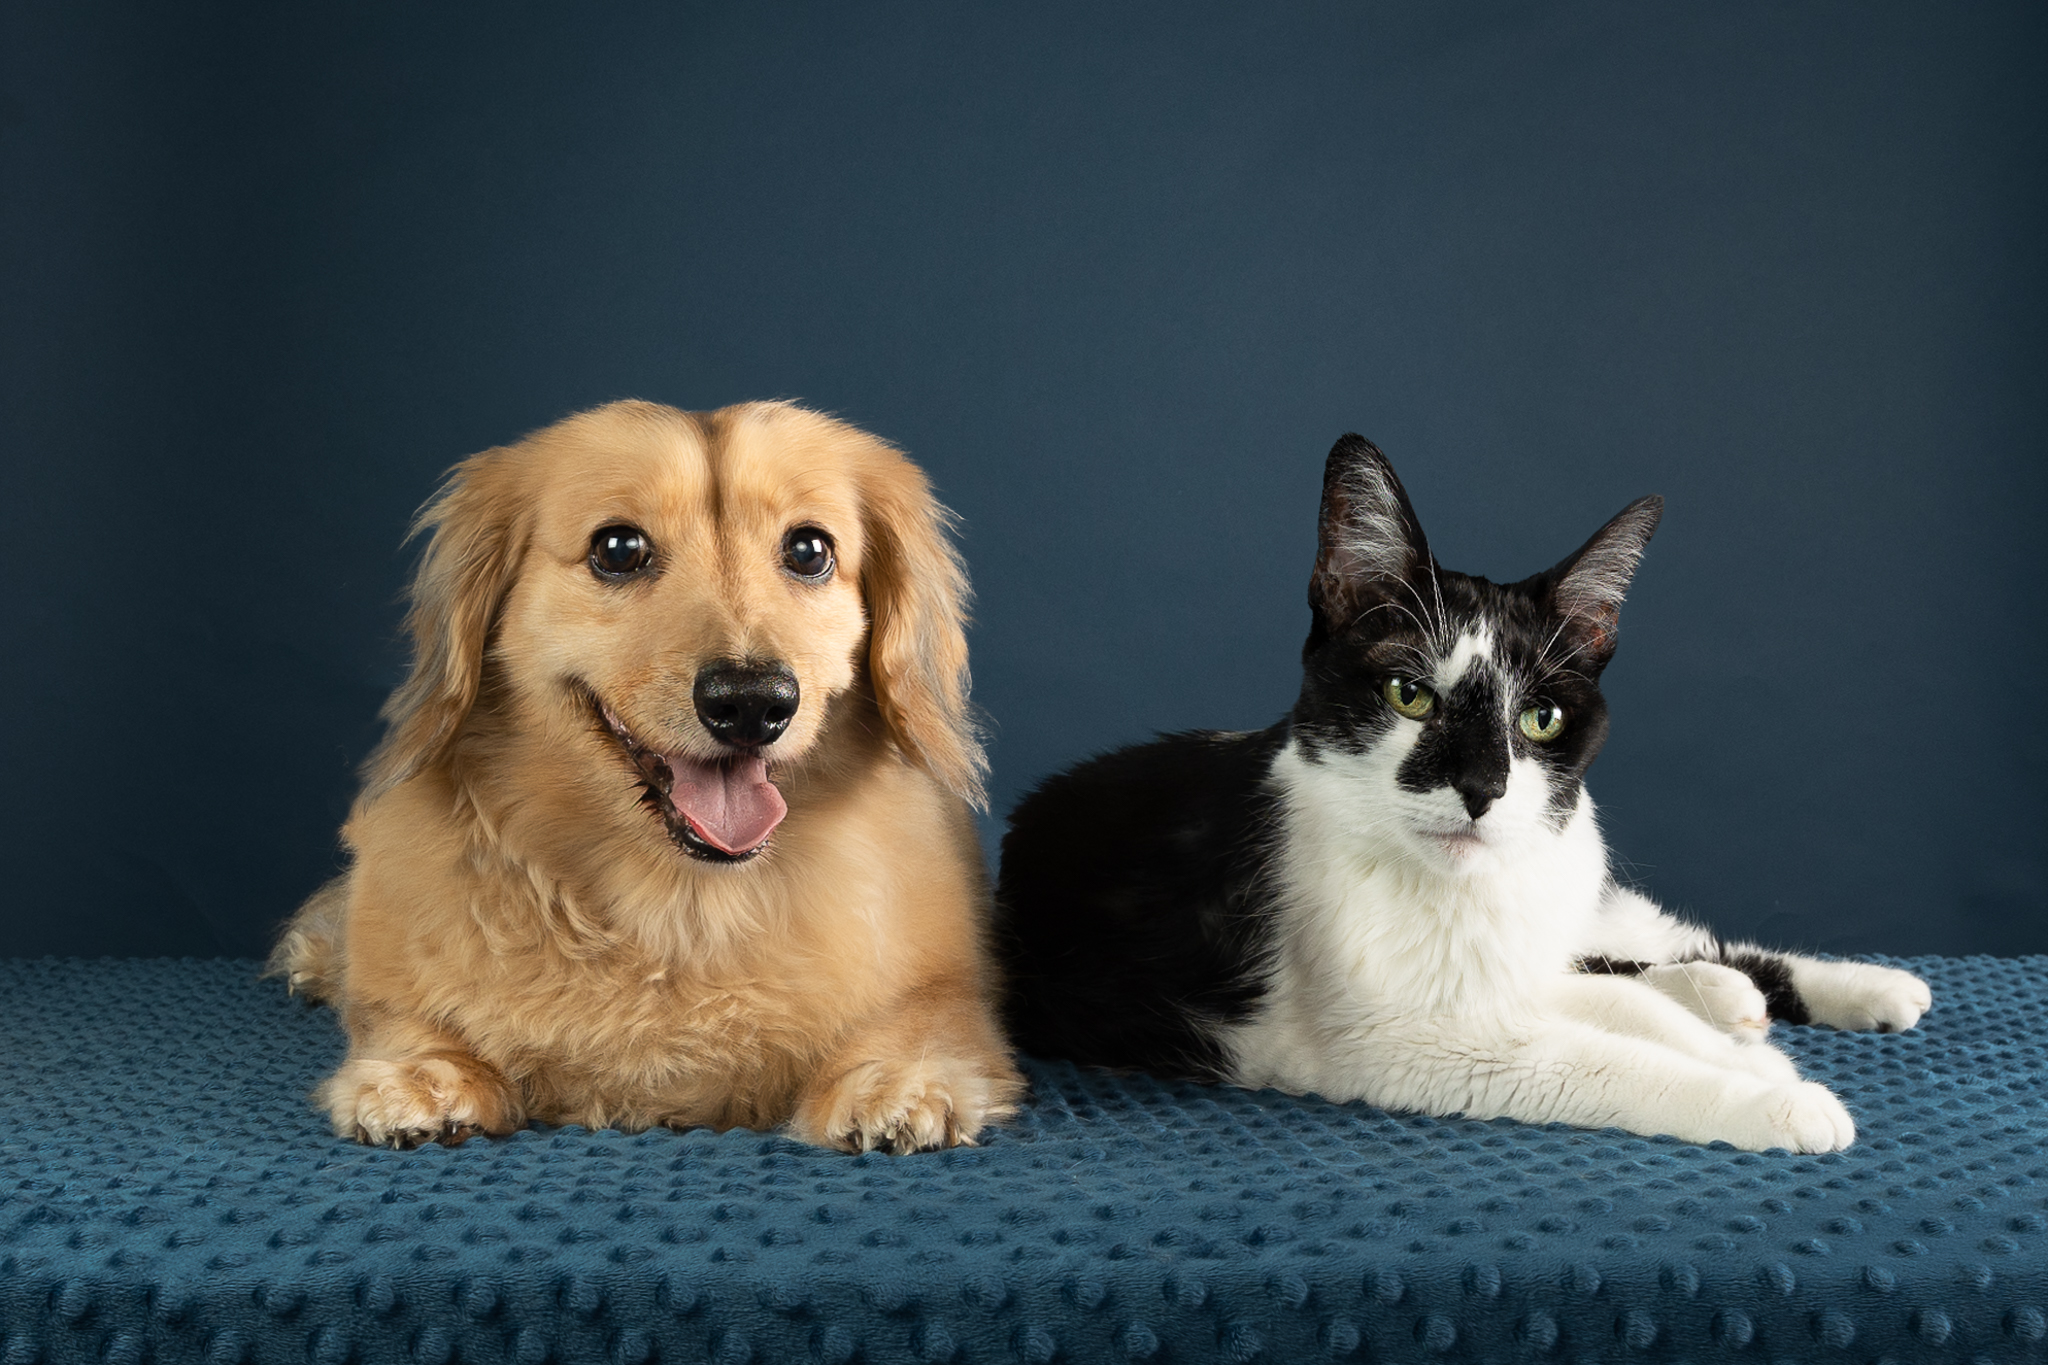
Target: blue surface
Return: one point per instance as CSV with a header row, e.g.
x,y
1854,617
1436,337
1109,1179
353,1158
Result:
x,y
166,1193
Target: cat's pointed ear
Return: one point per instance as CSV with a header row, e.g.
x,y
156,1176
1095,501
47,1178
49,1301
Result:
x,y
1368,541
1587,588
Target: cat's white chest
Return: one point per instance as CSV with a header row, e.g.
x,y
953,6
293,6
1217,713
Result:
x,y
1374,928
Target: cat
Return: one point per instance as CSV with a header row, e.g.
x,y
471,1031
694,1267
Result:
x,y
1399,893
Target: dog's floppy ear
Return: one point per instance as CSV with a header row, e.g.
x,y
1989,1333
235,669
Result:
x,y
916,591
475,536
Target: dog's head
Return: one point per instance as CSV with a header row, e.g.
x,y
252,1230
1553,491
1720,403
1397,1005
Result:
x,y
687,596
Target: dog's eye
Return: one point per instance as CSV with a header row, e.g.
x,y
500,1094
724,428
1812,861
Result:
x,y
620,551
807,552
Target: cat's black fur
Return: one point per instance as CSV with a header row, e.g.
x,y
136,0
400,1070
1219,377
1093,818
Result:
x,y
1136,916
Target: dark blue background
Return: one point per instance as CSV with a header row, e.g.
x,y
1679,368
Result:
x,y
1117,277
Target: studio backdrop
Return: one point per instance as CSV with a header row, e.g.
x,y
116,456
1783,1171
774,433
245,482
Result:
x,y
1116,276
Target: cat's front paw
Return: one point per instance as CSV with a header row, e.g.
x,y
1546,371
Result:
x,y
1860,995
1804,1117
1723,996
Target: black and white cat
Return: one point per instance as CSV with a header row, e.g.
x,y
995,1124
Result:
x,y
1399,893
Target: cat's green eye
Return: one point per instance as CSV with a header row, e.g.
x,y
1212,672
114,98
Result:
x,y
1409,697
1542,722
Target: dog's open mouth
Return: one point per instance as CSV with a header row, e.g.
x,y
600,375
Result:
x,y
722,811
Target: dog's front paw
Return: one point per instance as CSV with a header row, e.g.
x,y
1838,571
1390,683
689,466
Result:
x,y
1861,995
403,1104
1722,996
906,1106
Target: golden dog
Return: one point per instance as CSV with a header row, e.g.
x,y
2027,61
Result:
x,y
670,824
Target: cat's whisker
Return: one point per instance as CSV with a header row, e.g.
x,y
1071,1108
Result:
x,y
1425,625
1391,604
1436,589
1555,668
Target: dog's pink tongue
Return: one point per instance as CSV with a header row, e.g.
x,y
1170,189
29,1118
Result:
x,y
732,805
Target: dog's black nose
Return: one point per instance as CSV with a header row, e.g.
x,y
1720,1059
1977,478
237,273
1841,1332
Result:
x,y
745,703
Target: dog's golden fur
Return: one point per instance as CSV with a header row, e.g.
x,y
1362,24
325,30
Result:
x,y
519,936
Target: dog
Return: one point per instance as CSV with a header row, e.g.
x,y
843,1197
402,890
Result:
x,y
670,825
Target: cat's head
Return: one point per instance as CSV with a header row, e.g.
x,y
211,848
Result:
x,y
1459,715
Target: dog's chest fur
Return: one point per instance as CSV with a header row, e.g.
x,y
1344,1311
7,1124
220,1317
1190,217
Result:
x,y
619,1021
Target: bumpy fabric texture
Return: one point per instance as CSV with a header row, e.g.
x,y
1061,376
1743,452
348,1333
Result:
x,y
167,1193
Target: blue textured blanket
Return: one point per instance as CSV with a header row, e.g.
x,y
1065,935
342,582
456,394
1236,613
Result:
x,y
166,1192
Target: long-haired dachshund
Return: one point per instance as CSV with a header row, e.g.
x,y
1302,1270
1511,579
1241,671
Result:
x,y
670,824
